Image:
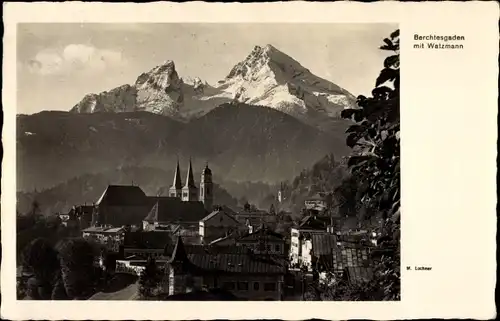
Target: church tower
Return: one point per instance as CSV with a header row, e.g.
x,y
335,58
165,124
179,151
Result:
x,y
207,188
189,191
176,188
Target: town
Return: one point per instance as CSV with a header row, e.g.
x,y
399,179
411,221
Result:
x,y
200,246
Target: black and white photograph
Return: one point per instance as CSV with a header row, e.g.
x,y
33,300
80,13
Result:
x,y
208,161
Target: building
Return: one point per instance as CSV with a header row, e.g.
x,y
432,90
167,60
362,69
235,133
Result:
x,y
142,245
263,241
220,223
111,237
244,274
189,192
253,218
128,204
121,205
316,246
168,212
316,202
309,224
78,216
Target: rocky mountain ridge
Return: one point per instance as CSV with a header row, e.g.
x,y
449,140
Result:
x,y
266,77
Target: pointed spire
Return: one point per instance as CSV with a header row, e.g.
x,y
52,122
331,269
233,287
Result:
x,y
189,177
177,177
179,254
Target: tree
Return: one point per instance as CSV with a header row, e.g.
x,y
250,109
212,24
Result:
x,y
375,137
77,258
41,258
375,164
149,279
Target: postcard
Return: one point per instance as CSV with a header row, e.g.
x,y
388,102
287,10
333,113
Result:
x,y
340,155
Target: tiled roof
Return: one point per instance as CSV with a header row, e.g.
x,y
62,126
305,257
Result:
x,y
223,260
172,209
323,244
262,233
226,240
314,222
123,195
147,240
235,263
357,275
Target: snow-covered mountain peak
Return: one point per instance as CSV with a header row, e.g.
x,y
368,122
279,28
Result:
x,y
266,77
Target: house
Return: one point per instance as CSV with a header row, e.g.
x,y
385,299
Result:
x,y
263,241
111,237
315,247
309,224
142,245
254,217
316,202
78,217
244,274
221,222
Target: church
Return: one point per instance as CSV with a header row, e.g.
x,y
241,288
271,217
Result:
x,y
185,204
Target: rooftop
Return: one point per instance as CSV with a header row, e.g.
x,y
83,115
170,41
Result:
x,y
172,209
123,195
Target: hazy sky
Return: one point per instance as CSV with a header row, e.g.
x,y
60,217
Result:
x,y
60,63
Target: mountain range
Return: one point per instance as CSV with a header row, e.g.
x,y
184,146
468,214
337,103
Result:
x,y
266,77
266,121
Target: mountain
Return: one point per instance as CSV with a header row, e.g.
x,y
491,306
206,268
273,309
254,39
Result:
x,y
266,77
241,142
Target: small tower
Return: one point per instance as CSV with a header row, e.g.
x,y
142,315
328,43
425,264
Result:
x,y
207,188
189,191
176,188
280,193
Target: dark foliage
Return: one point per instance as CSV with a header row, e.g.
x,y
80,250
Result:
x,y
77,257
149,279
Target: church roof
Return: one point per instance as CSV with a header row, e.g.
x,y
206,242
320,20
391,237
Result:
x,y
220,212
190,178
177,184
123,195
207,171
172,209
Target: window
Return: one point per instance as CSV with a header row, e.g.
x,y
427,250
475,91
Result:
x,y
277,248
269,247
256,286
243,286
270,286
228,286
185,194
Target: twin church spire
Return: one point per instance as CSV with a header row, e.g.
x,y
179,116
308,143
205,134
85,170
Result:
x,y
189,191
